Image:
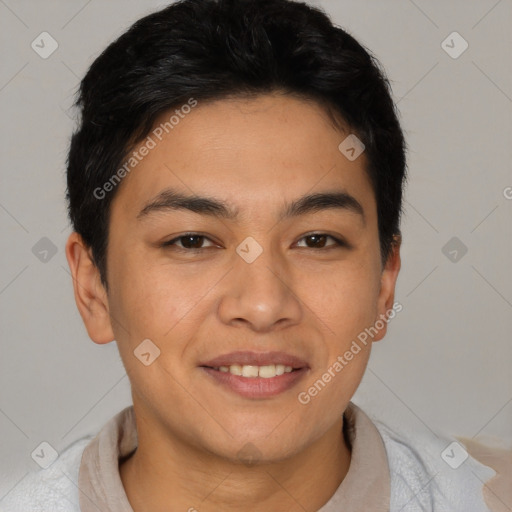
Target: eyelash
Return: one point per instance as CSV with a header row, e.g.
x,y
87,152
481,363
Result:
x,y
171,243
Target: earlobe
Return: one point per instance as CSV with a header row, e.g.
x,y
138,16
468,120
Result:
x,y
90,294
387,287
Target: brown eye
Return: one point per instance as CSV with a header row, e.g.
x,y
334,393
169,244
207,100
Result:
x,y
318,241
191,241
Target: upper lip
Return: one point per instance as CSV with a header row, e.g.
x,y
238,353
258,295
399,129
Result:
x,y
245,357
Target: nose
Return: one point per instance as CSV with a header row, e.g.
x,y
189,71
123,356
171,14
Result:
x,y
260,295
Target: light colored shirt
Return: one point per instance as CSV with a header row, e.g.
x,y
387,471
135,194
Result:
x,y
366,485
390,470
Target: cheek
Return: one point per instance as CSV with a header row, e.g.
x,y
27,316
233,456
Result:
x,y
144,300
160,301
347,304
345,300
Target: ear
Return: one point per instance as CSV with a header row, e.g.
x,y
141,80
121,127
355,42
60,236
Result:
x,y
387,286
90,294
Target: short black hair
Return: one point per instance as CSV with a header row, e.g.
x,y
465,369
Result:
x,y
219,49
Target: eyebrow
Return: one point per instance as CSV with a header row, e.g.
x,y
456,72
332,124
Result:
x,y
170,199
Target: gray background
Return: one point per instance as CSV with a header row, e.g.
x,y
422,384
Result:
x,y
445,364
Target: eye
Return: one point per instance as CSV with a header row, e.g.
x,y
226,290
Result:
x,y
194,242
318,241
189,241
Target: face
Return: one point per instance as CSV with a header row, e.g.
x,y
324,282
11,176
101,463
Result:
x,y
257,284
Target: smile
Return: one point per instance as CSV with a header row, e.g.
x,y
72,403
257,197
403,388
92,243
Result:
x,y
255,375
265,372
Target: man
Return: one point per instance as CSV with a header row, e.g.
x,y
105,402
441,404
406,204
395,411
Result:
x,y
235,188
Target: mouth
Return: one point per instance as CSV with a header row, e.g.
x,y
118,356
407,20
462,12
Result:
x,y
252,371
256,375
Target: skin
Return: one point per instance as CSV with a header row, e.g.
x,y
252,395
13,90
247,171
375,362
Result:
x,y
497,491
305,299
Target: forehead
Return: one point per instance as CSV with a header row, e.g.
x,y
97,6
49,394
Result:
x,y
252,153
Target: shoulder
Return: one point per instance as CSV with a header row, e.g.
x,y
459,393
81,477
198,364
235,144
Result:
x,y
431,471
498,490
54,488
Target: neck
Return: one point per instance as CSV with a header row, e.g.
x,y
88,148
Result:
x,y
192,480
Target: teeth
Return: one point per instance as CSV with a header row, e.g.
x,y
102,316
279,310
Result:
x,y
235,369
265,372
249,371
268,371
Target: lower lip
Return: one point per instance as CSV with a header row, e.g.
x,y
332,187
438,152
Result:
x,y
256,387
